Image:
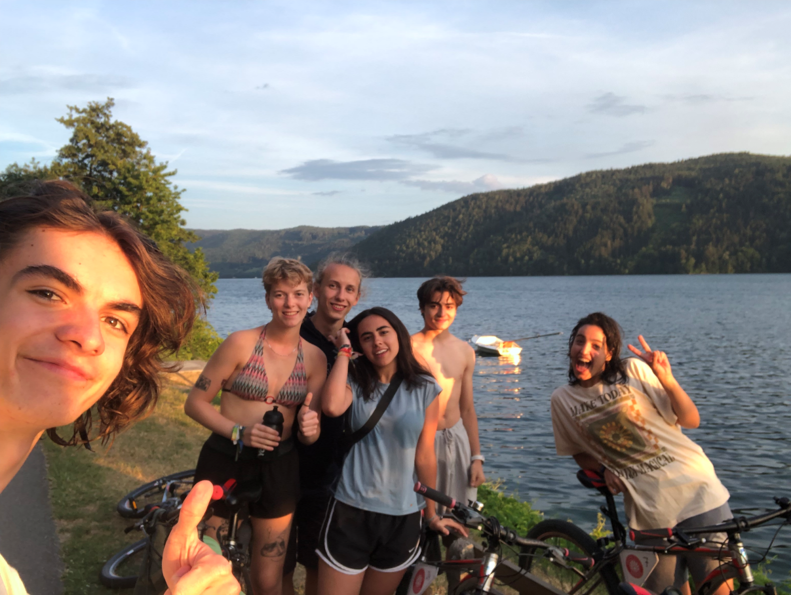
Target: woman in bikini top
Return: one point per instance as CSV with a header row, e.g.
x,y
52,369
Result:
x,y
263,368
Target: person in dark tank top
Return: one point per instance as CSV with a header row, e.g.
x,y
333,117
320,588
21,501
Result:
x,y
337,288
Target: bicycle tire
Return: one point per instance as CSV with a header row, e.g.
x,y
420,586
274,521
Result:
x,y
566,535
150,493
710,586
469,586
243,576
121,571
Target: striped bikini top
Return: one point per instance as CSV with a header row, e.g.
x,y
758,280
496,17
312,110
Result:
x,y
252,384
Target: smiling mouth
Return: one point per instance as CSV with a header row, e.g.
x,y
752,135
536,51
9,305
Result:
x,y
380,352
63,369
583,366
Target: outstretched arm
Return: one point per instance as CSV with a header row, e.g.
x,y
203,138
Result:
x,y
683,407
470,419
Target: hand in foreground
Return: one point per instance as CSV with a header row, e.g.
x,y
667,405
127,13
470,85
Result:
x,y
476,474
308,419
446,525
261,436
614,483
190,566
656,359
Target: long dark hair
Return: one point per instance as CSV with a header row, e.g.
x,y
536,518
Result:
x,y
614,370
363,371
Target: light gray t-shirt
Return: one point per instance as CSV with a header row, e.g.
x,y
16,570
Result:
x,y
379,473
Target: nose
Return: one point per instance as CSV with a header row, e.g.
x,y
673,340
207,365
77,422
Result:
x,y
83,328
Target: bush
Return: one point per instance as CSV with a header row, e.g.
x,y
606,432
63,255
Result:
x,y
202,342
510,511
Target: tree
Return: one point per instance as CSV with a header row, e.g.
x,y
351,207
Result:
x,y
15,179
115,167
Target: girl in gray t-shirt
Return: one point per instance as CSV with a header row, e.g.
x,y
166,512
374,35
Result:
x,y
371,533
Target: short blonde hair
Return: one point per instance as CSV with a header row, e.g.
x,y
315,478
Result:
x,y
286,269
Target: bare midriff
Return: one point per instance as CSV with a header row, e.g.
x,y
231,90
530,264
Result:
x,y
247,413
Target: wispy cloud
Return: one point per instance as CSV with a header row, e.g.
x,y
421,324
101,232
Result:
x,y
366,169
703,98
327,193
90,83
483,184
436,143
611,104
632,147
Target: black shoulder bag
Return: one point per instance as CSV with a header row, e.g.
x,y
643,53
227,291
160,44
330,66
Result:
x,y
349,438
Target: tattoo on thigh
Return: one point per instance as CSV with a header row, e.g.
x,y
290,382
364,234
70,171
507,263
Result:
x,y
202,383
277,547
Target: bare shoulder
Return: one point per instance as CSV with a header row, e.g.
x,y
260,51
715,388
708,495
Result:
x,y
313,355
462,346
239,343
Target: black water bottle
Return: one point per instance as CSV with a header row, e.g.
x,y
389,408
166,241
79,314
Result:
x,y
272,419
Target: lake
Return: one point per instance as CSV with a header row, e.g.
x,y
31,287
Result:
x,y
728,338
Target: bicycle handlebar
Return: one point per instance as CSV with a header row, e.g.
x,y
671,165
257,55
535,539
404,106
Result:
x,y
740,524
438,497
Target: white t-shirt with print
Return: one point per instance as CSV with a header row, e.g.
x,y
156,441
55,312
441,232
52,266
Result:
x,y
631,428
10,583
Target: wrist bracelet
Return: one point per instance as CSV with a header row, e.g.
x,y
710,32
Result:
x,y
480,458
431,520
235,434
345,350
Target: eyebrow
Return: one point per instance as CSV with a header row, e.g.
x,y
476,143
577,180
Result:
x,y
62,277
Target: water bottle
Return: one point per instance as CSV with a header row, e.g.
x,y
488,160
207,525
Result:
x,y
272,419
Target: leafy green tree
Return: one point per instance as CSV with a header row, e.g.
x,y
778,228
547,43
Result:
x,y
16,178
115,167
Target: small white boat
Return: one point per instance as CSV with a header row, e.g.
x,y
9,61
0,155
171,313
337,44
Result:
x,y
491,345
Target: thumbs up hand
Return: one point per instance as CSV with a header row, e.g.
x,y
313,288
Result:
x,y
308,421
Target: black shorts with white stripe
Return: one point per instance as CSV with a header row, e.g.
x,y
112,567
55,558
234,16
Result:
x,y
352,540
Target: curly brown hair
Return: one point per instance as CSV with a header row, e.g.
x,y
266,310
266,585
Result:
x,y
441,284
170,300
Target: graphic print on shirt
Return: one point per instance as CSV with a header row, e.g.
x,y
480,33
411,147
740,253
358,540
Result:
x,y
614,426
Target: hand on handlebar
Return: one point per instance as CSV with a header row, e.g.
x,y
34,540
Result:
x,y
446,525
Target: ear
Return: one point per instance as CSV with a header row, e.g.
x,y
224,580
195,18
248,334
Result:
x,y
609,355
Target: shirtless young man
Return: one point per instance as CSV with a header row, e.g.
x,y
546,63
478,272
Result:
x,y
88,307
451,361
337,289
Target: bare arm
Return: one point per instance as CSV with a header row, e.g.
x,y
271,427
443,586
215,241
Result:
x,y
470,419
426,468
309,416
337,396
686,411
217,371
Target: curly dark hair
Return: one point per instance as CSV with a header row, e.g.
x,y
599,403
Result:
x,y
170,300
614,370
363,371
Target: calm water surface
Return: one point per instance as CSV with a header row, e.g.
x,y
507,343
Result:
x,y
728,338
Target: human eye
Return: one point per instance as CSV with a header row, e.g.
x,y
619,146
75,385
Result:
x,y
117,324
45,294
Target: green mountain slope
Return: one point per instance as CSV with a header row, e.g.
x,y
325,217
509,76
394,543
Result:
x,y
244,252
727,213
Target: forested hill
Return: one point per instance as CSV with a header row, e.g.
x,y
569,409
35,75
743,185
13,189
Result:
x,y
727,213
244,252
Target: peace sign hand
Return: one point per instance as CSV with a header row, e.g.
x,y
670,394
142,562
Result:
x,y
656,359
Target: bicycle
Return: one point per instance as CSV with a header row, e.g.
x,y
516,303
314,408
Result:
x,y
123,570
481,570
635,561
138,502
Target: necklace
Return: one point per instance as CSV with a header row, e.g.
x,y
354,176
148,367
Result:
x,y
275,351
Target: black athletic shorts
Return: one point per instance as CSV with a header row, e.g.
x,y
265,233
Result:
x,y
277,474
353,539
305,529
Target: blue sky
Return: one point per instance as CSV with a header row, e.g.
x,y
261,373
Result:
x,y
347,113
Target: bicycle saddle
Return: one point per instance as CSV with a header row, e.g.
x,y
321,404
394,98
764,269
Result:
x,y
593,480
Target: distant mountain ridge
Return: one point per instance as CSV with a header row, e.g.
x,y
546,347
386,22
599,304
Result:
x,y
245,252
725,213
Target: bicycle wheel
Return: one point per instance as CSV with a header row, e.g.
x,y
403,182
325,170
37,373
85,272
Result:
x,y
569,577
121,571
710,586
132,506
469,586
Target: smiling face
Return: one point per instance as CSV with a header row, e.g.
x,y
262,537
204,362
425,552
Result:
x,y
378,341
338,293
289,302
439,312
589,355
69,302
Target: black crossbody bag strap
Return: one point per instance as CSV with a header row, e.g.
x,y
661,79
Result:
x,y
352,438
